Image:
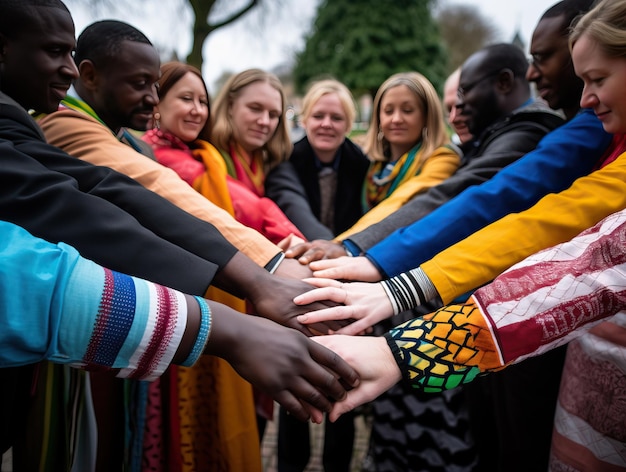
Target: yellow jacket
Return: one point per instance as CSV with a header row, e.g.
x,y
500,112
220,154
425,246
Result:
x,y
84,137
556,218
441,164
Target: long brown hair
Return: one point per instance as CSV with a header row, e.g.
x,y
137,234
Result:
x,y
278,148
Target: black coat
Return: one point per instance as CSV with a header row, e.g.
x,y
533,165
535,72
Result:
x,y
107,216
294,186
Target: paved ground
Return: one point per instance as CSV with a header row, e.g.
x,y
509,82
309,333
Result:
x,y
268,447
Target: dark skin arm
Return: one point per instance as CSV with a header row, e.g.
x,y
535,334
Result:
x,y
293,268
298,373
272,295
315,250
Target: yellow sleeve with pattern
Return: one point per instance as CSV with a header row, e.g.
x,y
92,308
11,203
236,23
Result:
x,y
442,163
556,218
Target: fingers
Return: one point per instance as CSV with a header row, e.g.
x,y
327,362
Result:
x,y
334,294
357,328
325,264
321,316
326,327
339,408
285,243
346,268
313,254
301,410
321,282
298,250
336,272
336,364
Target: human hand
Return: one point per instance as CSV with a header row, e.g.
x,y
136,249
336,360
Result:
x,y
274,299
364,302
346,268
374,362
298,373
292,268
290,241
315,250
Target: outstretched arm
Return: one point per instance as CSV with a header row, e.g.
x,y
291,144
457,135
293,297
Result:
x,y
67,309
552,297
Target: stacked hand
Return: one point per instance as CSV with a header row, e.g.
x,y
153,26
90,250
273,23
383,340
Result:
x,y
346,268
298,373
374,362
315,250
361,304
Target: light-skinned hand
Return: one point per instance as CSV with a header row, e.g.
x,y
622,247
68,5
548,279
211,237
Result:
x,y
365,303
346,268
371,357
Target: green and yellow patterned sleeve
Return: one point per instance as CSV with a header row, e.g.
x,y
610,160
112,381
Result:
x,y
445,349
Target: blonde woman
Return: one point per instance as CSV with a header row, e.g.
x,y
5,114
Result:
x,y
410,152
319,188
408,145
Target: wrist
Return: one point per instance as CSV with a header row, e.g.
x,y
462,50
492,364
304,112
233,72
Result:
x,y
352,250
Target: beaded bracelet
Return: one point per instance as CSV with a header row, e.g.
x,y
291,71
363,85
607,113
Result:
x,y
203,334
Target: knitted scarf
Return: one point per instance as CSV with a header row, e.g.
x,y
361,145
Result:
x,y
384,177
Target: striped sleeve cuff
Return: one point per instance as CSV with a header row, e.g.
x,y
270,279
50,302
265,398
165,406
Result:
x,y
409,290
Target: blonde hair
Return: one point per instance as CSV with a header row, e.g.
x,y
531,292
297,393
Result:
x,y
327,87
377,149
606,25
278,148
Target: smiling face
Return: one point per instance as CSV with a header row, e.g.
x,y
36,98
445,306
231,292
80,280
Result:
x,y
551,67
255,114
326,126
37,66
401,119
184,109
604,78
125,87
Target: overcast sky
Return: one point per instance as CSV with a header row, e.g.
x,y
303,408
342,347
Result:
x,y
269,36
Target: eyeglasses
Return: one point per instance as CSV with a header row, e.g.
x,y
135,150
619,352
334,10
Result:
x,y
462,91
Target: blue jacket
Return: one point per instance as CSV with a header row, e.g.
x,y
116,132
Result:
x,y
567,153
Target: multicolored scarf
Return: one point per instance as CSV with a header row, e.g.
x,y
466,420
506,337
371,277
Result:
x,y
246,168
76,104
384,177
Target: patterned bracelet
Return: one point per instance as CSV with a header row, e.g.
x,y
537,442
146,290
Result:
x,y
203,334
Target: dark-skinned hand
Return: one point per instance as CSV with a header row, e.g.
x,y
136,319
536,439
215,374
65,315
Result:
x,y
271,295
274,301
315,250
301,375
